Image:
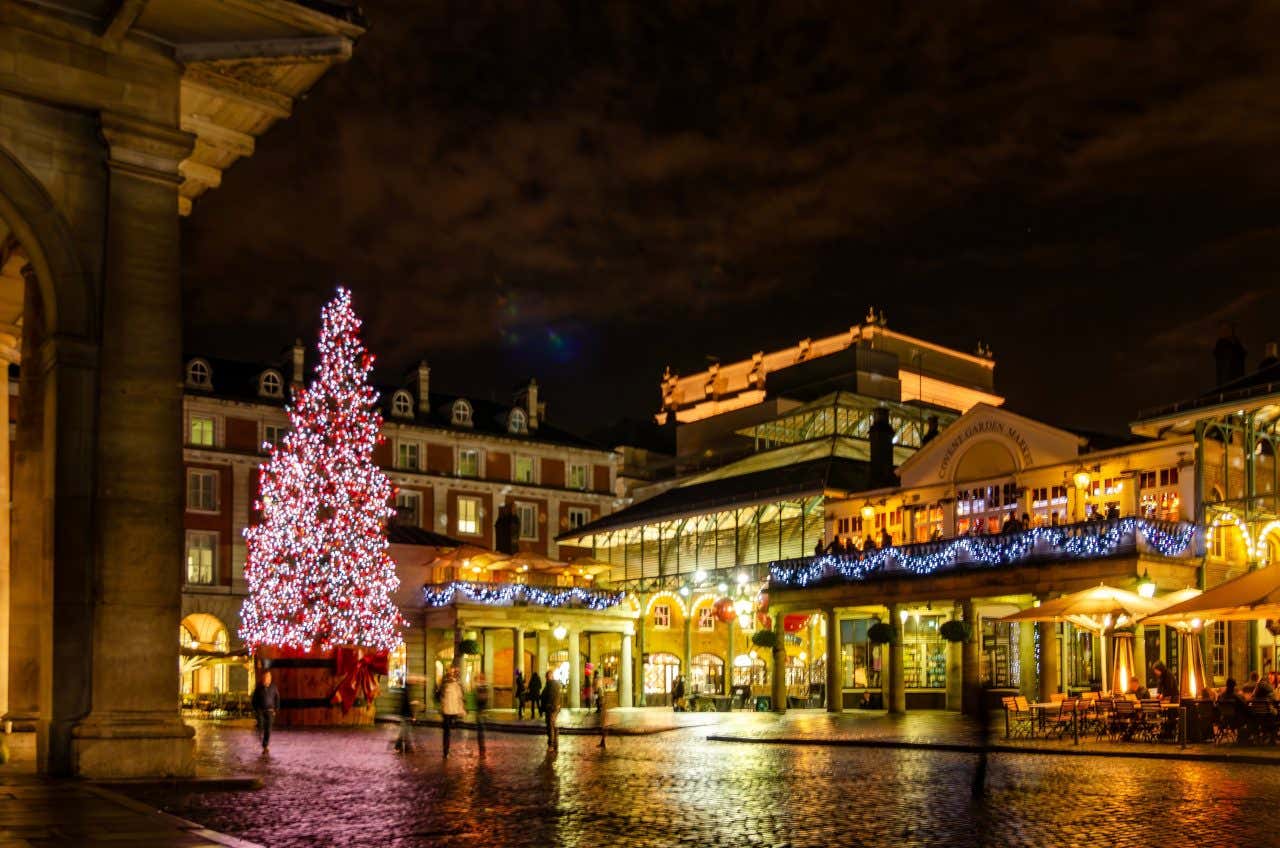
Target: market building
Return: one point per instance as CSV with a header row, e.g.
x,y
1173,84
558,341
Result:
x,y
968,512
468,471
114,119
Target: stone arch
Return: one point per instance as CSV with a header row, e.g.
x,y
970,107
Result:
x,y
986,459
66,289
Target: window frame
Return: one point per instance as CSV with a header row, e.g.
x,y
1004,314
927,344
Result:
x,y
461,414
516,459
402,404
474,521
192,537
409,495
199,380
521,506
582,511
416,446
277,391
281,431
215,477
586,476
517,421
665,616
706,619
192,418
479,454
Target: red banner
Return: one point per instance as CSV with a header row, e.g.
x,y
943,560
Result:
x,y
357,670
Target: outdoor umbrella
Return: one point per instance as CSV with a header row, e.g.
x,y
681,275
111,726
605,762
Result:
x,y
1251,596
470,560
1096,609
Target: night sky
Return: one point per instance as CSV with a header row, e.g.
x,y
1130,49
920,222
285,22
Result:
x,y
588,191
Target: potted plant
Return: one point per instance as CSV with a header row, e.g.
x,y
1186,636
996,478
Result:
x,y
955,630
880,633
469,647
764,639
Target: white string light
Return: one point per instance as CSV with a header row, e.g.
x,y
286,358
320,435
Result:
x,y
510,594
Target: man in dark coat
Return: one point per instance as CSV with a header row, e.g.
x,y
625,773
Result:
x,y
551,698
520,694
535,695
266,700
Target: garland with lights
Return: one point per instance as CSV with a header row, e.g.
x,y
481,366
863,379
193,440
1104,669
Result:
x,y
317,568
512,594
988,551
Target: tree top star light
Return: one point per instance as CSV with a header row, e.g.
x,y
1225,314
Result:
x,y
318,571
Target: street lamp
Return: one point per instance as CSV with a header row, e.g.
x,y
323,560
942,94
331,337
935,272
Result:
x,y
1082,479
1146,586
868,512
560,632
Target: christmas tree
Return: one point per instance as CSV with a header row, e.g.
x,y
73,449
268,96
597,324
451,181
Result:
x,y
318,571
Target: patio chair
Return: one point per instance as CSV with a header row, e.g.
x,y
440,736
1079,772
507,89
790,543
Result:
x,y
1227,722
1261,725
1019,722
1150,720
1063,721
1122,720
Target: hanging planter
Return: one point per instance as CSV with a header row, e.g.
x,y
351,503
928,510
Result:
x,y
469,647
880,633
764,639
955,630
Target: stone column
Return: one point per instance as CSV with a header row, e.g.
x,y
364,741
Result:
x,y
428,669
686,661
133,727
779,691
970,663
728,675
575,669
486,655
9,343
897,700
240,506
1050,654
626,672
517,655
1064,653
540,652
955,674
31,583
1140,654
835,695
1029,683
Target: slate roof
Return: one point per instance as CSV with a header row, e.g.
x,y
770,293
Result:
x,y
400,535
786,481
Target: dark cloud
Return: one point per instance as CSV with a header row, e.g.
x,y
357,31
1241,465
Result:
x,y
590,191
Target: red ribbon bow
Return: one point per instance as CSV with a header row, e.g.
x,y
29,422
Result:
x,y
357,670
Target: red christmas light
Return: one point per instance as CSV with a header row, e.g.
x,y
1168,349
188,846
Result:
x,y
318,570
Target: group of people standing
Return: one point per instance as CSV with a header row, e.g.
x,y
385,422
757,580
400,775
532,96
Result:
x,y
848,547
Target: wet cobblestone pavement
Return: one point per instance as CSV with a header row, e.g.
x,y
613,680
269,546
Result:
x,y
348,787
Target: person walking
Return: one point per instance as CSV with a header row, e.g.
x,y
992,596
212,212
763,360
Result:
x,y
677,696
551,697
519,694
266,700
404,743
601,715
535,695
482,706
452,707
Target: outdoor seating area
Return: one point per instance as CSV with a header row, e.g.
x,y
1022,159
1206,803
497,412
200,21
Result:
x,y
216,705
1093,717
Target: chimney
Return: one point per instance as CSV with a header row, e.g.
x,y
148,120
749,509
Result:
x,y
299,362
1228,356
531,402
881,438
1270,358
930,430
424,387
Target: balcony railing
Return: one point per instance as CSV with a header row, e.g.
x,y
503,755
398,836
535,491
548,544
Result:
x,y
519,594
1087,540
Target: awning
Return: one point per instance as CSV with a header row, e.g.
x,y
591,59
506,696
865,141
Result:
x,y
1251,596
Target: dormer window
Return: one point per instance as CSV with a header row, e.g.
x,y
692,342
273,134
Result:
x,y
271,384
199,375
517,421
402,404
461,413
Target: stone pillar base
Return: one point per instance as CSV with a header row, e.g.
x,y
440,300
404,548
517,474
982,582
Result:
x,y
118,748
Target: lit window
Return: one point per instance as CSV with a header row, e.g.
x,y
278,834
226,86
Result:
x,y
662,615
468,462
198,374
528,515
706,618
461,414
402,404
469,516
577,476
201,550
200,431
579,517
271,385
202,490
1218,649
407,455
409,509
517,421
398,666
524,470
273,434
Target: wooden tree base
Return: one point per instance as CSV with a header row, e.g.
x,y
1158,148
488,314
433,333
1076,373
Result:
x,y
306,680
